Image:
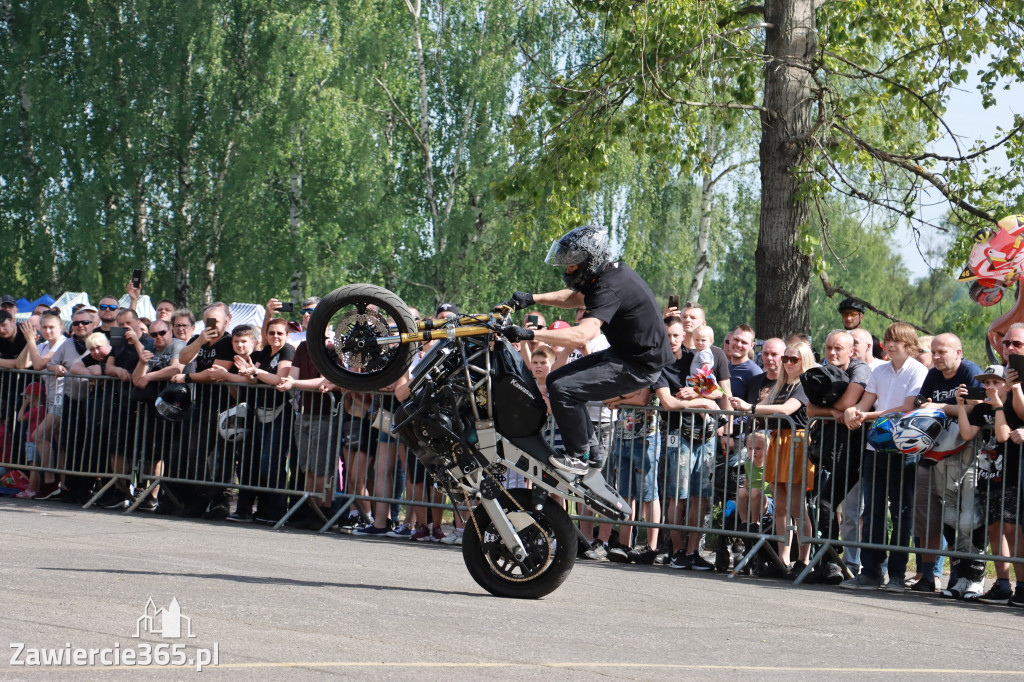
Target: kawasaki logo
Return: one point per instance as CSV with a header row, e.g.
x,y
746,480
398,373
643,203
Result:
x,y
522,389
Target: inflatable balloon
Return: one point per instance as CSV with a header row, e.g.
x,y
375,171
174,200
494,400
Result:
x,y
996,260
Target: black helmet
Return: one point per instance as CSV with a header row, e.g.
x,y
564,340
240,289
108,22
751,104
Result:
x,y
174,402
851,304
586,247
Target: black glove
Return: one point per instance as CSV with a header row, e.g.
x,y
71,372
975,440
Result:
x,y
515,334
520,300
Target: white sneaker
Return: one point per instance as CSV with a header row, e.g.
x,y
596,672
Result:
x,y
453,538
958,590
975,589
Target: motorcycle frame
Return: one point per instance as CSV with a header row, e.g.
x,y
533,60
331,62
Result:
x,y
492,450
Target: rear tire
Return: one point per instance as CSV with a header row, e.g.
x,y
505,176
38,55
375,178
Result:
x,y
355,328
550,542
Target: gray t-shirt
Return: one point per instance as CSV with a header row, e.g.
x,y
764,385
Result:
x,y
66,356
164,358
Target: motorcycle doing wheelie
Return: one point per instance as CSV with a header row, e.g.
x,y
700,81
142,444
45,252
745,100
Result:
x,y
474,414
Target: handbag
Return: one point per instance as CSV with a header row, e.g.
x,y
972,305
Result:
x,y
382,420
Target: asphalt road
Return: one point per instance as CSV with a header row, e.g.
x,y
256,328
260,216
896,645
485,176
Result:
x,y
292,605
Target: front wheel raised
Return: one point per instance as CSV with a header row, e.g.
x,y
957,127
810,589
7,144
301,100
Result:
x,y
356,355
547,534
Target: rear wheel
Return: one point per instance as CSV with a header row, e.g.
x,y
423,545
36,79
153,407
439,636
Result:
x,y
547,534
357,316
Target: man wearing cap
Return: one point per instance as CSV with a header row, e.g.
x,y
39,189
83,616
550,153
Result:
x,y
8,303
852,312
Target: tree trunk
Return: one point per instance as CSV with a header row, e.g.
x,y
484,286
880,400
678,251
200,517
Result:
x,y
703,262
782,298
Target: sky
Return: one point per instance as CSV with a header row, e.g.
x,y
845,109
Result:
x,y
968,119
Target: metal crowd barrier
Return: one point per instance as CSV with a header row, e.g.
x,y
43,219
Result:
x,y
761,480
83,424
100,432
959,508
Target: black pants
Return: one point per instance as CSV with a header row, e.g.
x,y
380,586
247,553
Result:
x,y
837,450
599,376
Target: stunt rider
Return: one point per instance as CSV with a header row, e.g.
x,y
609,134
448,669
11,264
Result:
x,y
616,298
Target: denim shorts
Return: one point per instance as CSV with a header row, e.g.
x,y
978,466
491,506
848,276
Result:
x,y
636,461
687,467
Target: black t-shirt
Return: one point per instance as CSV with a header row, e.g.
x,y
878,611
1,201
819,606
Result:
x,y
631,317
939,389
126,357
10,349
221,349
674,374
267,396
997,461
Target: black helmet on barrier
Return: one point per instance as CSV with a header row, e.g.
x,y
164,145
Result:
x,y
174,402
585,247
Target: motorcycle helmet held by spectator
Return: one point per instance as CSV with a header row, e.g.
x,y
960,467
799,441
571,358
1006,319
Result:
x,y
880,433
824,385
916,432
231,424
585,247
174,402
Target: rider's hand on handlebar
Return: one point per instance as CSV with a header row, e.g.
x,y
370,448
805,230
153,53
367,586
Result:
x,y
515,333
520,300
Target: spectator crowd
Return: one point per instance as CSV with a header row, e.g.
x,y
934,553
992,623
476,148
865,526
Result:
x,y
878,450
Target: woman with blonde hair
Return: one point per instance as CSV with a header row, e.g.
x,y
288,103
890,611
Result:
x,y
787,398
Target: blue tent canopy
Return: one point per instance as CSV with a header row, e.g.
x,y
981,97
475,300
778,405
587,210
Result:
x,y
45,299
24,305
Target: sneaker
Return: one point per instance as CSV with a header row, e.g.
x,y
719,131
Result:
x,y
115,499
59,495
47,489
420,534
825,573
996,595
643,555
370,531
619,555
349,523
241,516
164,508
861,582
147,505
403,532
772,570
26,495
453,538
897,585
1018,597
218,511
925,585
597,552
956,590
437,534
699,563
568,464
975,590
795,570
681,560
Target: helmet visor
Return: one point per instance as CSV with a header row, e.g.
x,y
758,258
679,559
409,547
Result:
x,y
560,256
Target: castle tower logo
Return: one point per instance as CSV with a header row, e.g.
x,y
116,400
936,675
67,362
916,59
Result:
x,y
164,622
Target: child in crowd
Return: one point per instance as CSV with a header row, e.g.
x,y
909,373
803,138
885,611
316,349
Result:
x,y
753,499
702,377
32,413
